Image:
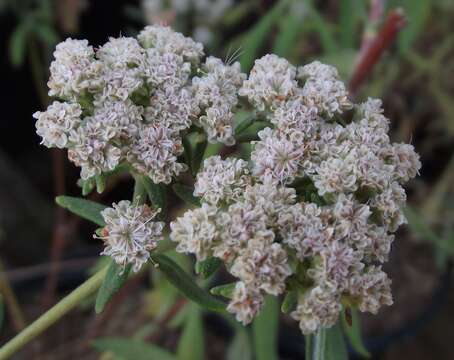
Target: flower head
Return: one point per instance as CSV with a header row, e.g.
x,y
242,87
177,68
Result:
x,y
56,123
130,234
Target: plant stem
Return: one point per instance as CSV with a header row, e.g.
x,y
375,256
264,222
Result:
x,y
319,345
11,302
53,315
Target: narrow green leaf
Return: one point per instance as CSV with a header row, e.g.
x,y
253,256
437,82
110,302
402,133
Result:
x,y
187,146
336,348
157,194
197,154
240,347
18,44
86,209
86,185
100,183
250,133
183,282
224,290
128,349
115,278
290,301
353,333
417,13
244,124
207,267
421,229
46,33
256,37
192,345
347,23
184,192
290,28
265,330
322,28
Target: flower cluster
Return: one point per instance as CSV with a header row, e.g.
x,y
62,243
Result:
x,y
312,215
132,100
130,234
315,210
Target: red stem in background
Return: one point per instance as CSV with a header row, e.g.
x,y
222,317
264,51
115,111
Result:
x,y
370,56
376,10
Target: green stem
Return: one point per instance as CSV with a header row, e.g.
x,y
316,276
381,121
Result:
x,y
319,345
140,193
53,315
11,302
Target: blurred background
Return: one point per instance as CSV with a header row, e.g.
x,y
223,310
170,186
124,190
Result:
x,y
400,51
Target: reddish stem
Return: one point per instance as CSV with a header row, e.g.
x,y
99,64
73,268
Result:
x,y
384,39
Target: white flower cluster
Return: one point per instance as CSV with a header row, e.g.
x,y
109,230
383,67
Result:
x,y
315,210
130,234
132,100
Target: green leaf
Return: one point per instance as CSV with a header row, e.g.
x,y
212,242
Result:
x,y
347,23
322,28
417,13
87,185
100,183
156,193
18,44
184,192
353,333
240,347
225,290
191,345
256,37
187,148
250,133
419,226
197,154
265,330
183,282
290,29
132,349
290,301
244,124
86,209
46,33
336,348
207,267
115,278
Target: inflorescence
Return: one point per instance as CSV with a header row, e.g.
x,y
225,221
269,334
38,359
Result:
x,y
311,214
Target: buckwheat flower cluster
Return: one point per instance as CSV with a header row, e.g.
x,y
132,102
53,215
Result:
x,y
272,80
315,210
130,233
133,99
217,94
235,223
222,180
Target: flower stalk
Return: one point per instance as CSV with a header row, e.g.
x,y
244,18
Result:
x,y
53,315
